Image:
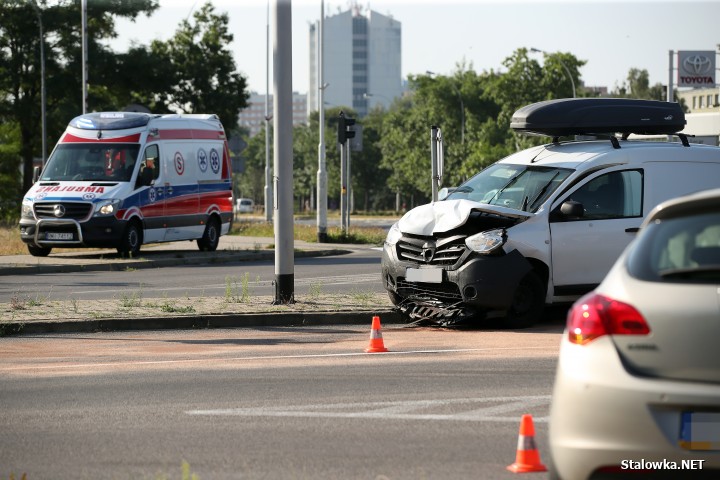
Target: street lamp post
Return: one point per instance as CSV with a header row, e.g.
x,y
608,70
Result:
x,y
368,96
567,70
42,83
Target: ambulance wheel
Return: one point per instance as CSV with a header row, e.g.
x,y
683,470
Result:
x,y
528,302
211,236
131,241
36,251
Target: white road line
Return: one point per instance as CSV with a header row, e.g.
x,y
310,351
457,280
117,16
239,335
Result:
x,y
401,410
249,358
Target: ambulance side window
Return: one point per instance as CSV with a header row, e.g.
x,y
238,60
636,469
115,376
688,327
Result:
x,y
149,167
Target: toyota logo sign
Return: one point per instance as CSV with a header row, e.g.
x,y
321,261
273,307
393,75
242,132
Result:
x,y
696,69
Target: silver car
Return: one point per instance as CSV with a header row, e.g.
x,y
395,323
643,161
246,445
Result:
x,y
637,389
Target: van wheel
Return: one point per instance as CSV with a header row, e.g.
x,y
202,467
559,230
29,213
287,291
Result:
x,y
211,236
528,302
131,241
37,251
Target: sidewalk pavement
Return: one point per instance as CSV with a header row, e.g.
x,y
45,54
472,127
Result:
x,y
131,311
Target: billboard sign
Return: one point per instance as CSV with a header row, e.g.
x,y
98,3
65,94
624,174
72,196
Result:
x,y
696,68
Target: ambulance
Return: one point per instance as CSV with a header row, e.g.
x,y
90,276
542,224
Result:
x,y
124,179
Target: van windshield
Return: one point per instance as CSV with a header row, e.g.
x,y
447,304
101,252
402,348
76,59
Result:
x,y
112,162
520,187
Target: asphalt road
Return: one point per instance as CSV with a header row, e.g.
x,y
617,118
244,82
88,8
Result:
x,y
359,270
273,403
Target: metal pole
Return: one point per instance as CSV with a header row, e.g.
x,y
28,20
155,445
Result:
x,y
267,191
670,83
343,187
84,56
670,75
433,162
348,182
42,84
283,154
322,235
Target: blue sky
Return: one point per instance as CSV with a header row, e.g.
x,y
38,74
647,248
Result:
x,y
612,36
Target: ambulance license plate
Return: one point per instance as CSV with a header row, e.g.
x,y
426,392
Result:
x,y
425,275
59,236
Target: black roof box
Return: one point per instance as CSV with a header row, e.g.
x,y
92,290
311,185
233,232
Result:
x,y
587,116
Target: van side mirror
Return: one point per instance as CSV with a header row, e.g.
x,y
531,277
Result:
x,y
572,209
445,192
36,174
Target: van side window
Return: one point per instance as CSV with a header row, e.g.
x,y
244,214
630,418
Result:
x,y
613,195
149,166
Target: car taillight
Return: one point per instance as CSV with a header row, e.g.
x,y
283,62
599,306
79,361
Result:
x,y
595,315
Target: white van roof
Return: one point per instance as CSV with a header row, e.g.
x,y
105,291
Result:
x,y
588,154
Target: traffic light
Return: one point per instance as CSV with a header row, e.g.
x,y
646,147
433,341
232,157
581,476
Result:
x,y
345,130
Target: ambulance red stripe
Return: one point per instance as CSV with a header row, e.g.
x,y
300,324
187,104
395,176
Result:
x,y
70,138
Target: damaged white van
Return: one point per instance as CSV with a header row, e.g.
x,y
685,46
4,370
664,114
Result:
x,y
122,179
543,225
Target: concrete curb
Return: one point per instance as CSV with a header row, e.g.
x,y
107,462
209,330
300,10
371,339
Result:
x,y
290,319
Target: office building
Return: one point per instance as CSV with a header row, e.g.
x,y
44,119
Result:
x,y
362,60
253,116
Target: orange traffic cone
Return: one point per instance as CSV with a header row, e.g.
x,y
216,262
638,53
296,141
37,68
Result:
x,y
527,458
376,340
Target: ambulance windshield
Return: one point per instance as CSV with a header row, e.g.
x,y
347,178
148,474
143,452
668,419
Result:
x,y
107,162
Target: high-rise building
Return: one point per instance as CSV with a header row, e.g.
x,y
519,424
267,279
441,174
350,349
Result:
x,y
253,116
362,60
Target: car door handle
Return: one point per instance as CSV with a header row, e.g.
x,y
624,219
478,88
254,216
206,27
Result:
x,y
632,229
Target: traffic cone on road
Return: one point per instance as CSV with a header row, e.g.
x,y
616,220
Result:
x,y
376,340
527,458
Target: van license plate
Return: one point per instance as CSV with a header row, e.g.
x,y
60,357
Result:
x,y
426,275
59,236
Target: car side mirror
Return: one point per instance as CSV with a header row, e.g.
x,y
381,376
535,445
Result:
x,y
445,192
572,209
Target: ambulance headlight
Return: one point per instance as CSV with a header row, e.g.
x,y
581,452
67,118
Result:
x,y
108,207
26,210
486,242
394,235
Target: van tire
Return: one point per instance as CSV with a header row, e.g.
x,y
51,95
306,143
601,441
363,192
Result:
x,y
211,236
131,240
528,302
37,251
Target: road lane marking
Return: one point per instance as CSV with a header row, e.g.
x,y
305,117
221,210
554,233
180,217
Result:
x,y
262,357
402,410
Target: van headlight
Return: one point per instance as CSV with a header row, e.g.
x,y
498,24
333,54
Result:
x,y
394,235
108,207
26,211
486,242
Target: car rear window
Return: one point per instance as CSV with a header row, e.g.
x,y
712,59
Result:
x,y
681,249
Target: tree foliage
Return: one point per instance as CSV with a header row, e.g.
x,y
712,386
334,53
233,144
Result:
x,y
193,72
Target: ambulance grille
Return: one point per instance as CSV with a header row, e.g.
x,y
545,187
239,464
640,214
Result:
x,y
71,210
431,251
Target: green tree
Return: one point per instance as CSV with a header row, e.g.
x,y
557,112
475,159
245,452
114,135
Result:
x,y
205,79
20,78
637,85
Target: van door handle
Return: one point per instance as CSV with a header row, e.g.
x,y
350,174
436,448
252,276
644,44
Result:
x,y
632,229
